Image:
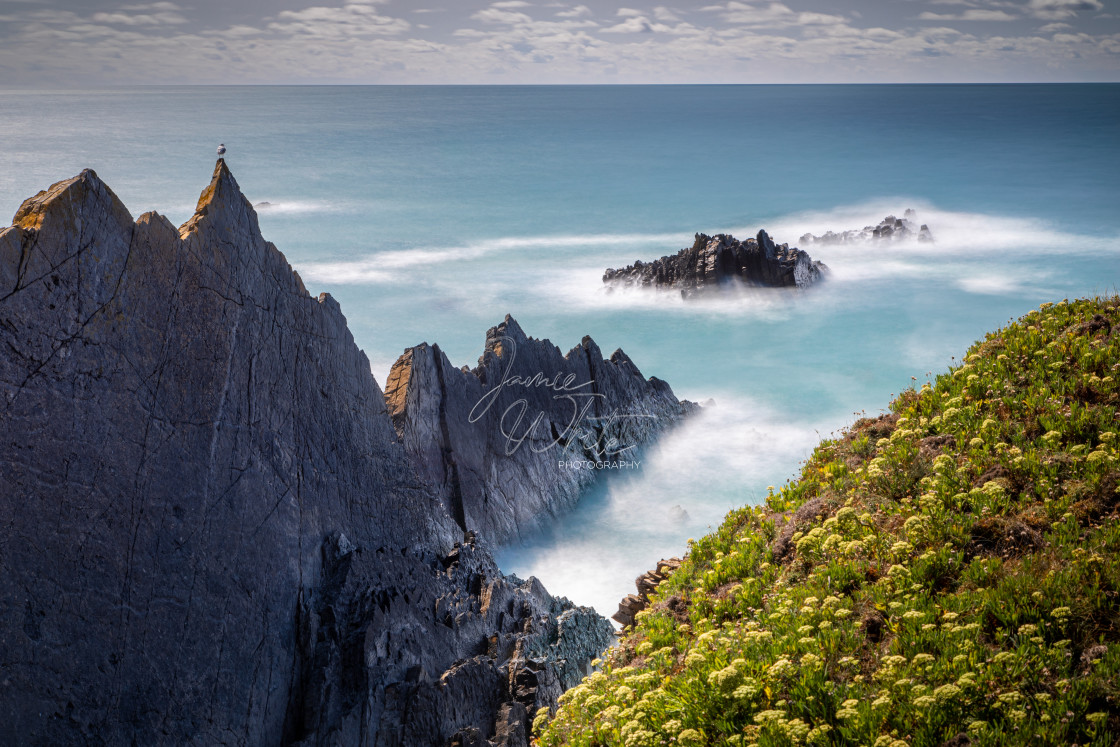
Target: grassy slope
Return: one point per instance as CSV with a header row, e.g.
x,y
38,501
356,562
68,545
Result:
x,y
944,574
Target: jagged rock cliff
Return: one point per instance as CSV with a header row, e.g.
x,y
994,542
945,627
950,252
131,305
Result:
x,y
210,533
720,260
512,442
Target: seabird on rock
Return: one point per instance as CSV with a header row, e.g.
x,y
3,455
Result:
x,y
221,150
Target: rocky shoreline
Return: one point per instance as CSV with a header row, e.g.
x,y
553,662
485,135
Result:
x,y
219,529
722,261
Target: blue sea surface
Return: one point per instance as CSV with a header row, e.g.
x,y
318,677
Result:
x,y
431,212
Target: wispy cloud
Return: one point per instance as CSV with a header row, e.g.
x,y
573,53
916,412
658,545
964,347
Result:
x,y
1058,9
327,22
578,11
149,14
637,21
969,15
561,41
770,15
494,14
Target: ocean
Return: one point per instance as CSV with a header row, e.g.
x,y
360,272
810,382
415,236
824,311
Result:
x,y
432,212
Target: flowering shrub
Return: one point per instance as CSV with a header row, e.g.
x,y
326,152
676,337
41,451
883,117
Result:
x,y
952,575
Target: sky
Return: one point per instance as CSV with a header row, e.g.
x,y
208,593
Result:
x,y
80,43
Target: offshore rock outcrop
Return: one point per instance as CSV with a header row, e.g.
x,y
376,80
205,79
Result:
x,y
888,229
722,260
512,442
210,532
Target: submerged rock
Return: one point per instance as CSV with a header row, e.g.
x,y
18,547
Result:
x,y
890,228
722,260
513,442
212,534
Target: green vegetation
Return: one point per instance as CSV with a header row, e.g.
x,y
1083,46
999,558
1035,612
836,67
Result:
x,y
946,574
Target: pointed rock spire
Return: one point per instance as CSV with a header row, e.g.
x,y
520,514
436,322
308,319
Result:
x,y
222,204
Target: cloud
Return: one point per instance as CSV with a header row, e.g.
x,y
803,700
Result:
x,y
577,12
743,14
736,41
147,14
633,25
969,15
493,14
152,7
637,22
139,19
770,15
1052,10
352,20
662,13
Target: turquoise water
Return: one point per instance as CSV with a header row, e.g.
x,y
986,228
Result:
x,y
432,212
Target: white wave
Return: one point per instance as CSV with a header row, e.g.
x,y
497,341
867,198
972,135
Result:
x,y
954,232
582,289
275,206
992,284
271,208
345,273
972,252
734,440
387,266
722,458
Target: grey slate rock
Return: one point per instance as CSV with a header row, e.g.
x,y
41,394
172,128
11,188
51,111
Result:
x,y
888,229
722,260
499,440
210,532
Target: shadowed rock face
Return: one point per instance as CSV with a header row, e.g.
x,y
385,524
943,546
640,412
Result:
x,y
508,444
210,533
721,260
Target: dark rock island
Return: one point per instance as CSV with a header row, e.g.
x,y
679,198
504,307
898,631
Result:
x,y
888,229
217,531
721,261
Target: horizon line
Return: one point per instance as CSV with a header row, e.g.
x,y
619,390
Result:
x,y
50,89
